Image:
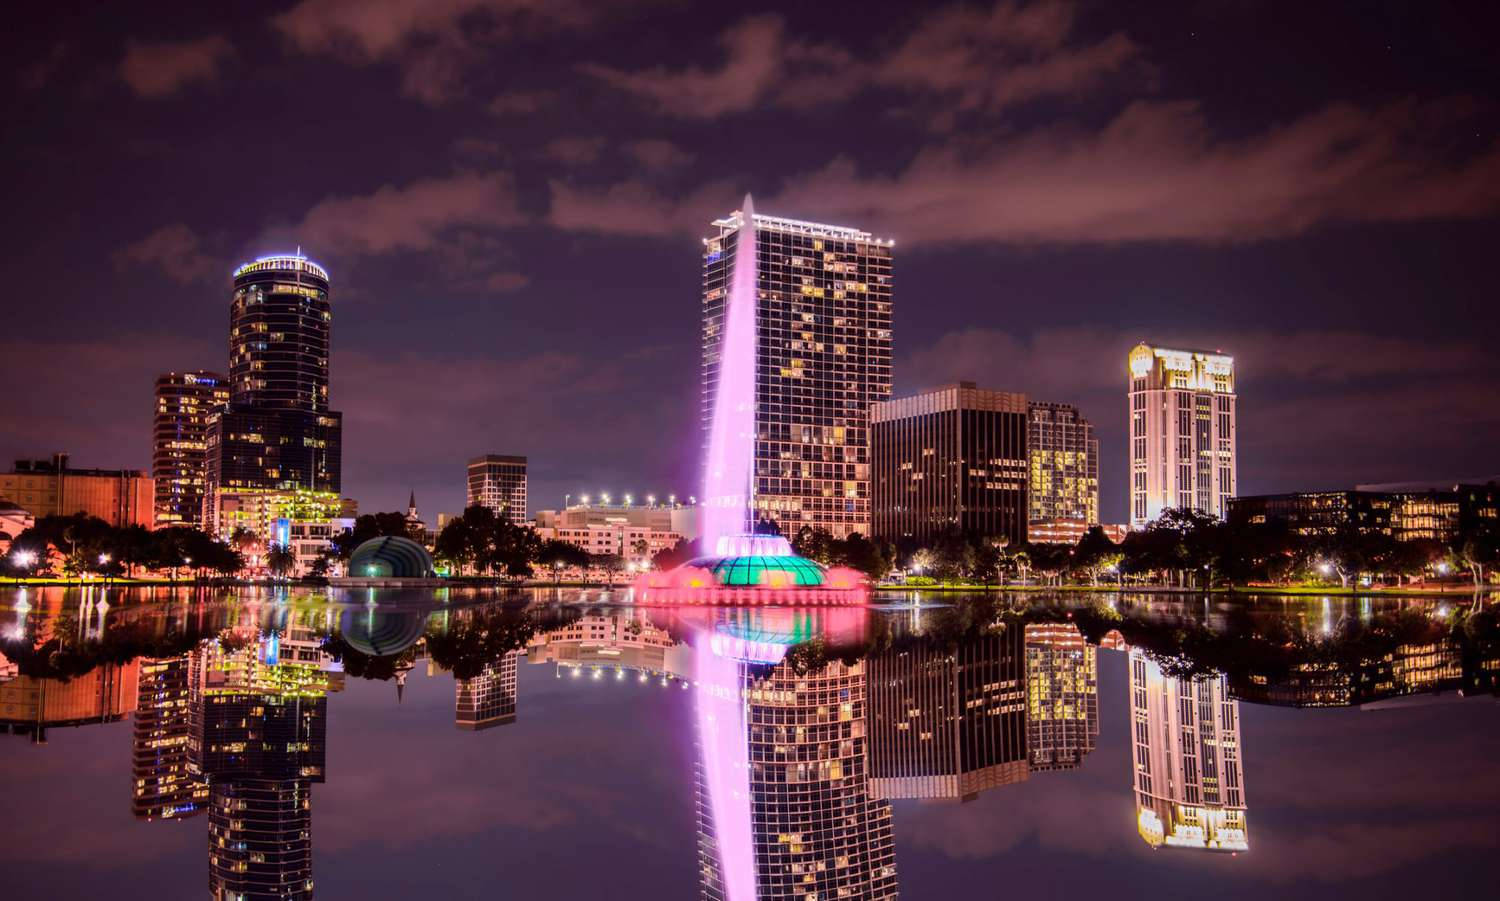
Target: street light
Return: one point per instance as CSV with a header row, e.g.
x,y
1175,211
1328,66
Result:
x,y
1325,568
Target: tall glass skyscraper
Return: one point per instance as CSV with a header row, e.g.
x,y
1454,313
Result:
x,y
186,403
823,327
1182,432
277,434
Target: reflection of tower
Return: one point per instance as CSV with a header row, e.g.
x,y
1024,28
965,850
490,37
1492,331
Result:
x,y
1062,696
813,830
948,722
164,786
1189,790
260,839
488,699
259,731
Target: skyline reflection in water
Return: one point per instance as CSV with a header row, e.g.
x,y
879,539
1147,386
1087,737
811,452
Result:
x,y
855,753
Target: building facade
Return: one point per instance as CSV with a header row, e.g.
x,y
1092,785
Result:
x,y
120,497
1182,432
498,482
488,699
1070,531
1189,782
823,356
277,432
1063,457
1403,512
815,829
951,458
165,786
185,404
948,722
1062,696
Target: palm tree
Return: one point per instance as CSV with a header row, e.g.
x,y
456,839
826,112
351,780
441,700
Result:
x,y
280,560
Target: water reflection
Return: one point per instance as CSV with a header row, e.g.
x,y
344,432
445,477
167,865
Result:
x,y
810,727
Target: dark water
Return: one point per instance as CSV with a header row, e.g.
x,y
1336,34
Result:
x,y
548,745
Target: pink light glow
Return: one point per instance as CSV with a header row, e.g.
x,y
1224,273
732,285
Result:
x,y
731,439
720,717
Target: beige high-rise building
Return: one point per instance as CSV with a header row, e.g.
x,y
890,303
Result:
x,y
823,356
1182,432
1189,784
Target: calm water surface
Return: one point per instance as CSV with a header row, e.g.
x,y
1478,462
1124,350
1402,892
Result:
x,y
568,745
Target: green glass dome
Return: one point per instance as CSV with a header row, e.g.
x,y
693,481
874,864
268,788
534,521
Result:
x,y
789,571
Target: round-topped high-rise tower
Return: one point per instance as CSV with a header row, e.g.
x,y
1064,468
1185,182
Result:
x,y
279,322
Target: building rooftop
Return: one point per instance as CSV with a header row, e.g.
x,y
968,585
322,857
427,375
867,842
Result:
x,y
289,262
818,229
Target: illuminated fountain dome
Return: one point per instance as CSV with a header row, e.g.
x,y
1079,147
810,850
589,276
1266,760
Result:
x,y
388,561
753,569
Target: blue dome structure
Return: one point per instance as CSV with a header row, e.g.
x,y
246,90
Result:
x,y
390,557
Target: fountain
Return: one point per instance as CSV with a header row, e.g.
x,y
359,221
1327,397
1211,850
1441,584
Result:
x,y
743,567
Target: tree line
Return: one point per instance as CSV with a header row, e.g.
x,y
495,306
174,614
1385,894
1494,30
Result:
x,y
79,544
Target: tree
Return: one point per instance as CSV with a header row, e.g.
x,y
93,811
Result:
x,y
280,560
670,558
1096,554
1478,548
612,564
815,544
559,555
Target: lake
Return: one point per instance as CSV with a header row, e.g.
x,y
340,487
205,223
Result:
x,y
259,743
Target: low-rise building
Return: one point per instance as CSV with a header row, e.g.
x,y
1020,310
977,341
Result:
x,y
120,497
1069,531
1404,511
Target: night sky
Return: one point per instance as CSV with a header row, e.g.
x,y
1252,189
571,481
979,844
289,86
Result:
x,y
510,195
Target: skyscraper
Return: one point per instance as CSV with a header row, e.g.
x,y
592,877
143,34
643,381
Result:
x,y
823,326
948,722
814,829
1182,432
259,729
1062,696
277,433
488,699
1189,786
185,403
1064,464
954,458
165,787
499,482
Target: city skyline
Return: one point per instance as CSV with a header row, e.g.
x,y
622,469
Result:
x,y
516,263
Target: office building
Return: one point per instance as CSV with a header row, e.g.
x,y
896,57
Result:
x,y
1069,531
277,433
260,840
1182,432
258,735
1189,782
823,321
31,705
1062,696
488,699
814,829
165,787
948,722
954,458
1403,511
120,497
1063,458
185,401
499,482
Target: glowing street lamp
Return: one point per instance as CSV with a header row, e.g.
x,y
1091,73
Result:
x,y
1442,568
1325,568
584,498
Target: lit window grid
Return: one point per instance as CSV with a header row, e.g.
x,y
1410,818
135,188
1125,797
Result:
x,y
823,356
1182,444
